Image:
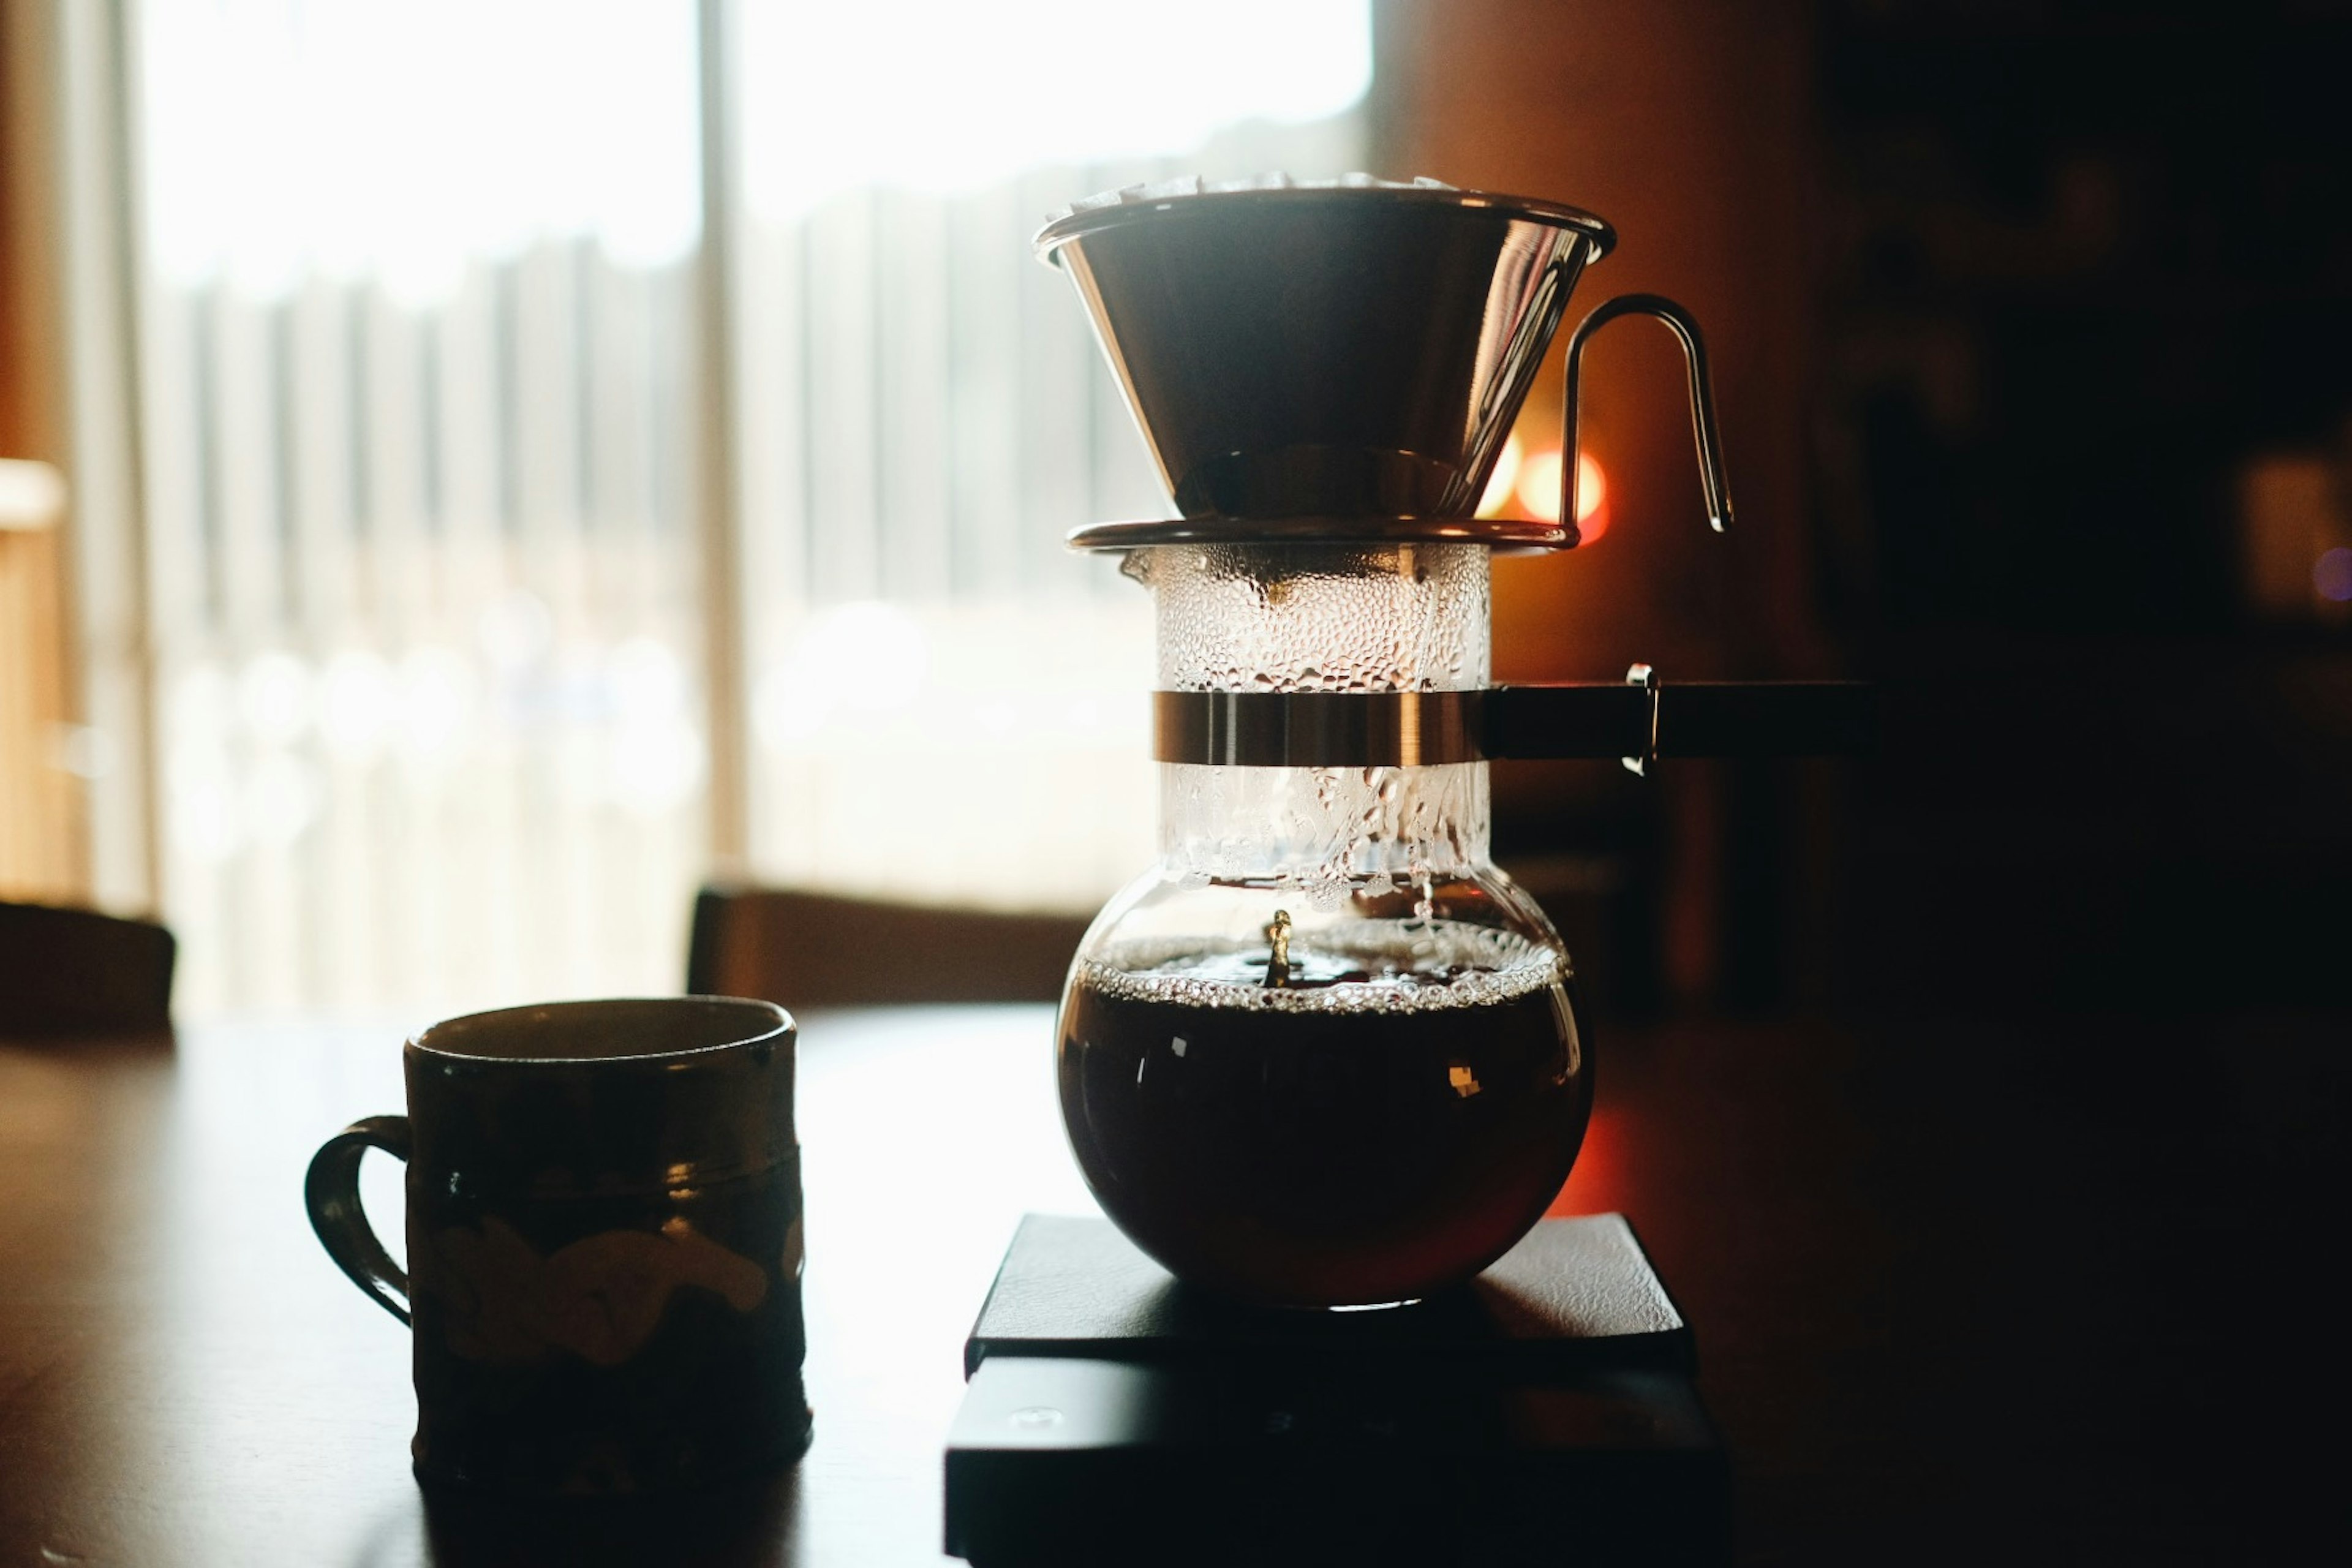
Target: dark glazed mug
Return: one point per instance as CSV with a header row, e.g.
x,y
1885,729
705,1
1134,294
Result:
x,y
603,1244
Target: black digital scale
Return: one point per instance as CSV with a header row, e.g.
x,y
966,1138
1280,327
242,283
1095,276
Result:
x,y
1542,1414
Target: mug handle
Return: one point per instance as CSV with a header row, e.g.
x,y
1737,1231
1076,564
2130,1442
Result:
x,y
331,1192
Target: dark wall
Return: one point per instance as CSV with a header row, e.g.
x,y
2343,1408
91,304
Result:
x,y
2086,277
2013,303
2082,262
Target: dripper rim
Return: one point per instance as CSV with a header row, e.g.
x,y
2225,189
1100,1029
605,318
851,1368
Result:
x,y
1089,221
1499,532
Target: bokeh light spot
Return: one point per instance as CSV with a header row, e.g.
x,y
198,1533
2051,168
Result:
x,y
2331,576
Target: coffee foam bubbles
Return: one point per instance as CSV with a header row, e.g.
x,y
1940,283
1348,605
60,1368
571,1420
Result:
x,y
1442,967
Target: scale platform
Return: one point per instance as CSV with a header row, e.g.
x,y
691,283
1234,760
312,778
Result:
x,y
1543,1413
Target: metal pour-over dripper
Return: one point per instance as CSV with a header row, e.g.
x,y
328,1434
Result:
x,y
1304,359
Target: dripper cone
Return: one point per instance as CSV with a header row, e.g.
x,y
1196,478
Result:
x,y
1318,352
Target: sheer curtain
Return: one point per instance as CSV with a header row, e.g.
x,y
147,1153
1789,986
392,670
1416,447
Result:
x,y
427,539
416,307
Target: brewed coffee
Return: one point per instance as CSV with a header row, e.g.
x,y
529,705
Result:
x,y
1328,1126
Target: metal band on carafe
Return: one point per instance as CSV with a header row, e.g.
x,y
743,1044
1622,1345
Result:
x,y
1421,729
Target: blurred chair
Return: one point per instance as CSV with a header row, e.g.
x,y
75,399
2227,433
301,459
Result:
x,y
74,971
809,950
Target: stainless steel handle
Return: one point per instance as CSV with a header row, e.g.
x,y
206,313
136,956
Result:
x,y
1702,400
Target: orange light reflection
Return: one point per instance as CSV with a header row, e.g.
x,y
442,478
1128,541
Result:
x,y
1531,480
1539,491
1599,1184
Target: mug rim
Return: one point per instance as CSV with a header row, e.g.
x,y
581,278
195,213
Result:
x,y
778,1024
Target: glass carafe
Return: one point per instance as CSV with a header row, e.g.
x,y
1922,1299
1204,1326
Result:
x,y
1322,1053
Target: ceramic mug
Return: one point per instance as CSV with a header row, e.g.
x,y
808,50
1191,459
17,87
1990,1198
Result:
x,y
604,1208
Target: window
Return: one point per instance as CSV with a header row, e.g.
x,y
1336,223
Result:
x,y
485,611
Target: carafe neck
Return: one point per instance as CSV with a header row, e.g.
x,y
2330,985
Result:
x,y
1327,831
1318,617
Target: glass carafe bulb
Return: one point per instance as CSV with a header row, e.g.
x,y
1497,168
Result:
x,y
1323,1053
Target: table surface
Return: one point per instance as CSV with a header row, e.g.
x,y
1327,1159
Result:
x,y
1962,1291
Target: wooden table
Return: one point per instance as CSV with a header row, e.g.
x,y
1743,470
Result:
x,y
1963,1292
